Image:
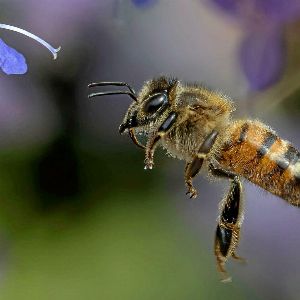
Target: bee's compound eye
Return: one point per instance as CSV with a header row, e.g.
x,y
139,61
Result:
x,y
155,102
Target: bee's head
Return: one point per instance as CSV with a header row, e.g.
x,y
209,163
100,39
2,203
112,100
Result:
x,y
152,103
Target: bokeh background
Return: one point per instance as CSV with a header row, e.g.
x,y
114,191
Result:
x,y
80,217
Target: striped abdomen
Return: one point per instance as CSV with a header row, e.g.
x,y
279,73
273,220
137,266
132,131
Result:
x,y
255,152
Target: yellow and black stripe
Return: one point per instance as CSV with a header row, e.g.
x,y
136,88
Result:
x,y
255,152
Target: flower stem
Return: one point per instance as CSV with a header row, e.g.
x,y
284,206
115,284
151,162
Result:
x,y
33,36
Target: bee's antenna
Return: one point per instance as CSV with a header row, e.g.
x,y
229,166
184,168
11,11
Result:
x,y
114,83
105,83
133,96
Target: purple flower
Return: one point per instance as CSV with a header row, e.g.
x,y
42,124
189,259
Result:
x,y
263,49
11,61
143,3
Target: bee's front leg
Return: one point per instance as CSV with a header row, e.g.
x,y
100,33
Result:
x,y
152,142
134,139
194,167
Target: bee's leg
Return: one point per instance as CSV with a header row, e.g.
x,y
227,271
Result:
x,y
152,142
193,168
228,228
134,139
222,242
188,181
239,258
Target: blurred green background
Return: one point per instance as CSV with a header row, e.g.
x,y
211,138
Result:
x,y
80,217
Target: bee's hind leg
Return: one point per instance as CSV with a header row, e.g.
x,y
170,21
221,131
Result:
x,y
194,167
229,224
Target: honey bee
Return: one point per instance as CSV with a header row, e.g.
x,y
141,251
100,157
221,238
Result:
x,y
194,124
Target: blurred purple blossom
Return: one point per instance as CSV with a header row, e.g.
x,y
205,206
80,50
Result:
x,y
263,49
143,3
11,61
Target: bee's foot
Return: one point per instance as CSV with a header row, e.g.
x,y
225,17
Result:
x,y
192,192
148,165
